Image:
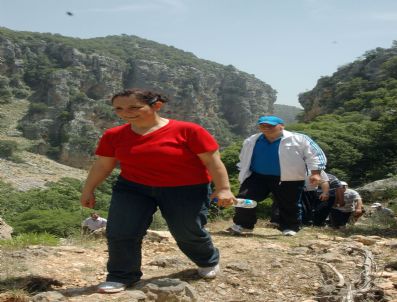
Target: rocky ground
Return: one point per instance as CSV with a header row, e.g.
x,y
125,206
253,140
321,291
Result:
x,y
315,265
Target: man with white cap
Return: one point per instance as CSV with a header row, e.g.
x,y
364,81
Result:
x,y
381,210
351,209
276,161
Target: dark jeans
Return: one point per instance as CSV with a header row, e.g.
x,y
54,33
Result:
x,y
316,211
339,218
322,210
131,210
308,203
287,195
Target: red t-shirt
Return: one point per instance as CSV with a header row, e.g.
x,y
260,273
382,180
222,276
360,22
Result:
x,y
166,157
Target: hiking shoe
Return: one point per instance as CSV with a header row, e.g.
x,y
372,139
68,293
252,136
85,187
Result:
x,y
236,229
208,272
110,287
289,233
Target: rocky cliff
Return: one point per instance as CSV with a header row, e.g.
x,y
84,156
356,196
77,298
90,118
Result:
x,y
358,86
69,81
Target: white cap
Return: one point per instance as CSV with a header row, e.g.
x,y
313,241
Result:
x,y
343,183
376,205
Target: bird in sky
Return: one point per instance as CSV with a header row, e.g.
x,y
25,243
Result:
x,y
69,13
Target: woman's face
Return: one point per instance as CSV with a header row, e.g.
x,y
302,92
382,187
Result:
x,y
130,109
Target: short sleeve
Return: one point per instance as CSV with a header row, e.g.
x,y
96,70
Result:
x,y
105,146
200,140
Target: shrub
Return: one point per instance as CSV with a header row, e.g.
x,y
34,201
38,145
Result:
x,y
59,222
5,91
38,108
20,93
5,95
7,148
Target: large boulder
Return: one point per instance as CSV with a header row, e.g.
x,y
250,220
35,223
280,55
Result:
x,y
380,190
5,230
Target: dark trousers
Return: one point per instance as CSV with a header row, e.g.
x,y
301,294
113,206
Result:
x,y
287,194
322,209
309,200
185,210
316,211
339,218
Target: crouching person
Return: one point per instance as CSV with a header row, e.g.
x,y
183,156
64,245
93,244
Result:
x,y
93,224
350,210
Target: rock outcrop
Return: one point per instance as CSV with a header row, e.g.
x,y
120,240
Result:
x,y
5,230
379,190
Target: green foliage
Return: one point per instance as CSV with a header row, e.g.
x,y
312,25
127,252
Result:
x,y
158,222
37,108
7,148
390,67
104,111
65,116
393,206
55,210
366,88
38,69
104,191
20,93
264,209
6,94
26,239
61,195
230,157
287,113
345,139
58,222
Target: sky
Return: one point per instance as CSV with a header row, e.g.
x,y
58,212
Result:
x,y
289,44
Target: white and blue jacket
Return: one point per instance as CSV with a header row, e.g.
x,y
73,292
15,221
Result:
x,y
297,152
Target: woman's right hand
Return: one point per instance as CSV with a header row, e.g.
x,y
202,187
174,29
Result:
x,y
224,198
87,199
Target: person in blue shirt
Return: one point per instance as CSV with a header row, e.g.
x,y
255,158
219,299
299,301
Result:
x,y
276,161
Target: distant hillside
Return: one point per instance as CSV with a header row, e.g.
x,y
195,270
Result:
x,y
366,85
353,114
68,82
288,113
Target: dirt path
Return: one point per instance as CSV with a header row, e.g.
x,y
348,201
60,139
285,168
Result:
x,y
262,267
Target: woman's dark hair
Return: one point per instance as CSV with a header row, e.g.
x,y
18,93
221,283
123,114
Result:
x,y
143,95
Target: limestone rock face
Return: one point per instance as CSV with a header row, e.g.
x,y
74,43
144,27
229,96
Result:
x,y
70,87
378,190
5,230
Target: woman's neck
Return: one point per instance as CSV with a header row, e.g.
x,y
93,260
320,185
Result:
x,y
148,127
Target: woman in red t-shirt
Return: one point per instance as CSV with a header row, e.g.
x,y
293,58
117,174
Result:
x,y
165,164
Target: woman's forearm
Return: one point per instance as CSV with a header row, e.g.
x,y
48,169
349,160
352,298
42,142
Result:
x,y
99,171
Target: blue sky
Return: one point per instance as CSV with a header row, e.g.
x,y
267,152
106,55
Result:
x,y
289,44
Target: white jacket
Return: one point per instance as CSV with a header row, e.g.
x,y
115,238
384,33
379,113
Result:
x,y
297,152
